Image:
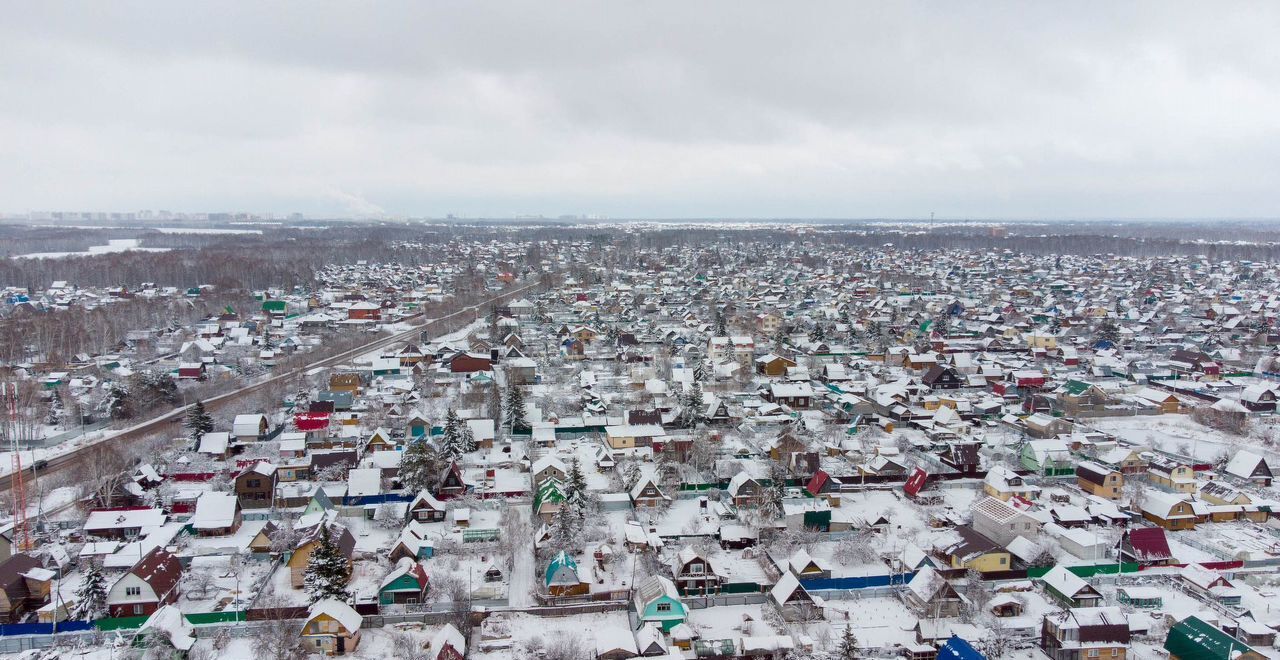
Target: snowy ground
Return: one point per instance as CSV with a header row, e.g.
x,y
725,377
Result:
x,y
113,245
523,570
1178,434
530,632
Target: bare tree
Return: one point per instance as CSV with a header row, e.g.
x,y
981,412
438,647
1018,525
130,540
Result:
x,y
277,638
102,471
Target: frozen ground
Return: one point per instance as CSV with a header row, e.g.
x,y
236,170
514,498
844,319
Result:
x,y
113,245
1178,434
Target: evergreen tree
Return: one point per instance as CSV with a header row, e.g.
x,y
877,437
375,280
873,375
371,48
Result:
x,y
420,466
780,339
631,474
565,527
199,421
91,596
848,649
700,370
773,494
819,333
771,504
468,439
55,415
118,403
516,413
451,447
327,570
576,488
692,405
722,326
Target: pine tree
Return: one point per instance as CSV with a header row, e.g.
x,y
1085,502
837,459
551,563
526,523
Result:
x,y
451,446
691,410
771,506
327,570
419,467
91,596
818,334
565,526
118,403
722,327
576,488
631,474
55,415
199,421
468,438
848,649
516,413
700,370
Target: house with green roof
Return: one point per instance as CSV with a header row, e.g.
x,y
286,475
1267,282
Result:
x,y
1193,639
562,578
548,499
319,502
656,601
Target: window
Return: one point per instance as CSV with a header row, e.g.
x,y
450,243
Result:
x,y
695,568
1093,653
254,483
137,609
133,591
1115,652
663,607
1004,560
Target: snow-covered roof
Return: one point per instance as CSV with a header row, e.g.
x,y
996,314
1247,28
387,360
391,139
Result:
x,y
1242,464
116,519
364,481
168,621
448,636
339,611
214,511
214,443
615,638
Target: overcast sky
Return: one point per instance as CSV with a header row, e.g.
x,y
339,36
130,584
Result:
x,y
643,108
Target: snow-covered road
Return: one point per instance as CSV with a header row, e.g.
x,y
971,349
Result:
x,y
520,593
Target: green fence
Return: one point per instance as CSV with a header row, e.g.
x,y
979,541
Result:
x,y
196,619
1088,571
121,623
201,618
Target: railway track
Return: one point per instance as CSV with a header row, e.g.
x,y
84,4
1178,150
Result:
x,y
69,459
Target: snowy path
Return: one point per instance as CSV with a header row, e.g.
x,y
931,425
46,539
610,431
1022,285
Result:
x,y
520,593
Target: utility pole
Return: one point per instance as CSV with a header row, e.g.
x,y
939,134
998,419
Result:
x,y
21,535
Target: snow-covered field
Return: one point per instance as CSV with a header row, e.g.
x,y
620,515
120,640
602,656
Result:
x,y
113,245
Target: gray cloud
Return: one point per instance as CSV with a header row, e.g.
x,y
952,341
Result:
x,y
741,109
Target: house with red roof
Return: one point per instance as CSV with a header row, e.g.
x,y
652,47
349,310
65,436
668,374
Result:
x,y
152,582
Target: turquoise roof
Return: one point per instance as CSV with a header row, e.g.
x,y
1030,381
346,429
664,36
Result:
x,y
561,560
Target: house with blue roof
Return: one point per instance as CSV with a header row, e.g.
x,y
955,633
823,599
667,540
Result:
x,y
958,649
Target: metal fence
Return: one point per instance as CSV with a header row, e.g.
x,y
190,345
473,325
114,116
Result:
x,y
724,600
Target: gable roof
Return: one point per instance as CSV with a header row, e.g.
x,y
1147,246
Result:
x,y
1149,544
448,636
1193,638
337,610
1066,583
160,570
215,510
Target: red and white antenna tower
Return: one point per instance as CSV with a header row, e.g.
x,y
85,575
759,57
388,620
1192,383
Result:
x,y
21,536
